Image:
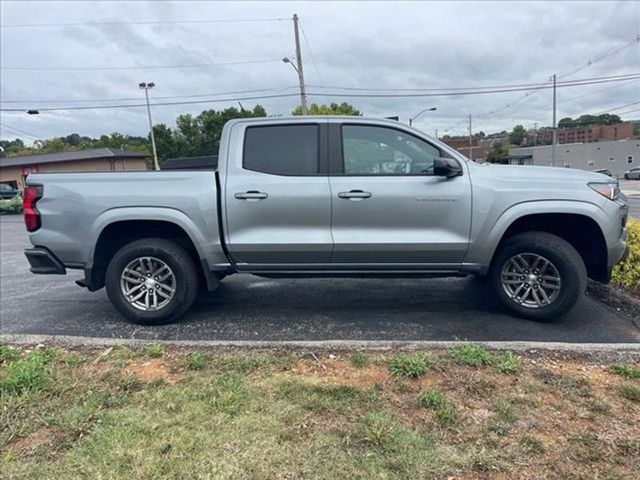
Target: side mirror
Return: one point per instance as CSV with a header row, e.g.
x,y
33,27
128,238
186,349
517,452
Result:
x,y
446,167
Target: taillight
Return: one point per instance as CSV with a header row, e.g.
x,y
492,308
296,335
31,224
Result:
x,y
31,194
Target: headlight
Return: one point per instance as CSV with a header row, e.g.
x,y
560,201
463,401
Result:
x,y
606,189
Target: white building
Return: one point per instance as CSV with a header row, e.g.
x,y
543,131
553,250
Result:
x,y
617,156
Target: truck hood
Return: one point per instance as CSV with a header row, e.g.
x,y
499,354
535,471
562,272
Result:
x,y
521,172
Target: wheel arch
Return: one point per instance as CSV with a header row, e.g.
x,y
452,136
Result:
x,y
577,223
117,227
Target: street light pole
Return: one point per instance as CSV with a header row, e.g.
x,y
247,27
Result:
x,y
430,109
303,93
146,86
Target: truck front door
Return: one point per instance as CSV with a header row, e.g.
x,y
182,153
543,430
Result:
x,y
389,209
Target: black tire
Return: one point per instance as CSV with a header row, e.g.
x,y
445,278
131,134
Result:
x,y
180,263
626,176
565,259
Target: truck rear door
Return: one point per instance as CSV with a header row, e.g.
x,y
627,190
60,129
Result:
x,y
278,204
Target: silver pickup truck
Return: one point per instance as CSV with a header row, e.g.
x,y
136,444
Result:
x,y
328,196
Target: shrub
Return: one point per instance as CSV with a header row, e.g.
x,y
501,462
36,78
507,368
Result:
x,y
627,273
13,205
402,366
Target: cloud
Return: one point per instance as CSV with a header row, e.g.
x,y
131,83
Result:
x,y
357,44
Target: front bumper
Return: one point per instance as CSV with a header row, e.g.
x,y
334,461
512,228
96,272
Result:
x,y
42,261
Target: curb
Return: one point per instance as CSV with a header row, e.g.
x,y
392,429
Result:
x,y
519,346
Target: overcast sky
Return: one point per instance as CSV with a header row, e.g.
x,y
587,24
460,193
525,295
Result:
x,y
381,45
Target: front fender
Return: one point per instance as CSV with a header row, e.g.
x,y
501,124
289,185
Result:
x,y
484,244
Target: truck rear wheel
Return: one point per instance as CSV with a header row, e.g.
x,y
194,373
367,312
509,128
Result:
x,y
538,275
151,281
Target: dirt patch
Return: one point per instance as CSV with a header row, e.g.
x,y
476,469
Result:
x,y
45,437
152,370
340,372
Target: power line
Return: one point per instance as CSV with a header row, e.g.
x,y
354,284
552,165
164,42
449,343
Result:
x,y
18,131
148,67
143,22
621,107
166,97
477,91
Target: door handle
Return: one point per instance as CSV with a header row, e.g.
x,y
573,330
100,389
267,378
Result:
x,y
251,195
354,194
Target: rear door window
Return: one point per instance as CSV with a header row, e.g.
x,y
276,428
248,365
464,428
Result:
x,y
282,149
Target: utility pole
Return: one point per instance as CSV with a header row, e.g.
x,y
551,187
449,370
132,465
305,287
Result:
x,y
146,86
470,140
554,129
436,132
303,93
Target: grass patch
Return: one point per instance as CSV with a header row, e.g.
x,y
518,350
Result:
x,y
196,361
431,399
30,373
155,350
360,360
470,355
532,444
8,354
630,392
627,371
507,363
258,414
404,366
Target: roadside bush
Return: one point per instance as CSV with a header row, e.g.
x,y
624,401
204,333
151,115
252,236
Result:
x,y
13,205
627,273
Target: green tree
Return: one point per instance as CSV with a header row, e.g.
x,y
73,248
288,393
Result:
x,y
333,109
517,135
498,153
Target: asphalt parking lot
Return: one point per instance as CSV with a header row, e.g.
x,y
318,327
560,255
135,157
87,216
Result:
x,y
251,308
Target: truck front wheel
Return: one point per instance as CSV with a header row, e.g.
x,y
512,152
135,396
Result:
x,y
538,275
151,281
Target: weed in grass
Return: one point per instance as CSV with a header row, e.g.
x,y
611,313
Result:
x,y
630,392
378,429
196,361
598,407
507,363
360,360
155,350
8,354
532,444
318,398
588,448
74,360
503,419
229,393
629,448
27,374
431,399
447,415
129,382
471,355
626,371
404,366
